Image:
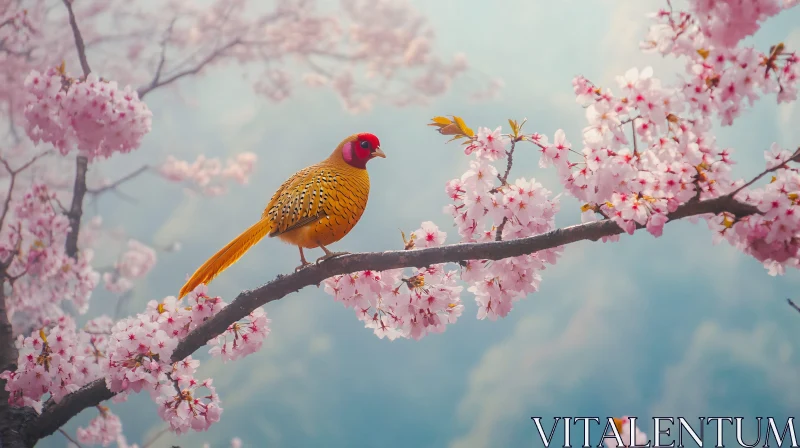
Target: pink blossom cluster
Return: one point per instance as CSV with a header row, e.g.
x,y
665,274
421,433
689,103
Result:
x,y
487,207
650,148
104,429
720,77
241,338
19,32
726,22
207,175
57,362
133,355
772,236
32,244
93,116
140,357
385,38
396,304
637,180
15,28
134,264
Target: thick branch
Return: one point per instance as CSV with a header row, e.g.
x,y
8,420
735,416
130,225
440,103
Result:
x,y
76,209
82,163
13,419
247,301
8,351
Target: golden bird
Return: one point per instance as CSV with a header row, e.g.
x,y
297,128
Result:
x,y
315,207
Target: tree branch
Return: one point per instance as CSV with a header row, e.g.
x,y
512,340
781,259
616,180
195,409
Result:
x,y
14,420
79,45
55,416
793,305
782,165
8,351
82,163
76,209
510,161
13,173
117,183
68,437
157,82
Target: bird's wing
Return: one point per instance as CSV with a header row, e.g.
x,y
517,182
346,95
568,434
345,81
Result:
x,y
299,201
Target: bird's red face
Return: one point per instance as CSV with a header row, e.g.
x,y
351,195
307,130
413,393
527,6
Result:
x,y
361,149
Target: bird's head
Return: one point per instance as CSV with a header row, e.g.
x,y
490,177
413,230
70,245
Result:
x,y
358,149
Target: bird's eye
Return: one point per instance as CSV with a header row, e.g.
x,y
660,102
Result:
x,y
365,144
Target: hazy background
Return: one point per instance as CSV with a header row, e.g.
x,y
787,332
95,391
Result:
x,y
670,326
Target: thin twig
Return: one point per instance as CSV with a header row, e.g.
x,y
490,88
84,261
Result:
x,y
75,442
156,83
633,133
793,305
150,442
163,57
767,171
498,236
95,392
509,163
79,45
13,180
114,185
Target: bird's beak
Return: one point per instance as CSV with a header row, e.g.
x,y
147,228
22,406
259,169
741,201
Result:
x,y
378,153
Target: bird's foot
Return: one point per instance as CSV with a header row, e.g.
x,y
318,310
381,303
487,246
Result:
x,y
302,266
331,255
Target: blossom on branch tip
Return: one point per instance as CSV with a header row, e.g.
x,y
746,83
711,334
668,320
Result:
x,y
102,430
241,338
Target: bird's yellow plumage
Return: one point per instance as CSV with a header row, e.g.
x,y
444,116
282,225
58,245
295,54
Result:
x,y
315,207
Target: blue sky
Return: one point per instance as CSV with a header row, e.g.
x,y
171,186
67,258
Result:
x,y
668,326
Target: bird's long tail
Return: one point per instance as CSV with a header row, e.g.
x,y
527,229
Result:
x,y
227,256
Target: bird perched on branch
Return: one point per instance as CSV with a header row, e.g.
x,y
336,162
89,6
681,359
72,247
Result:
x,y
315,207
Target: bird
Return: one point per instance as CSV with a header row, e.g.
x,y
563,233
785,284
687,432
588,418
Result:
x,y
316,207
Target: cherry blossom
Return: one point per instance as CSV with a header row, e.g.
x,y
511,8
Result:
x,y
91,115
398,304
725,23
241,338
135,263
102,430
32,244
192,405
208,175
